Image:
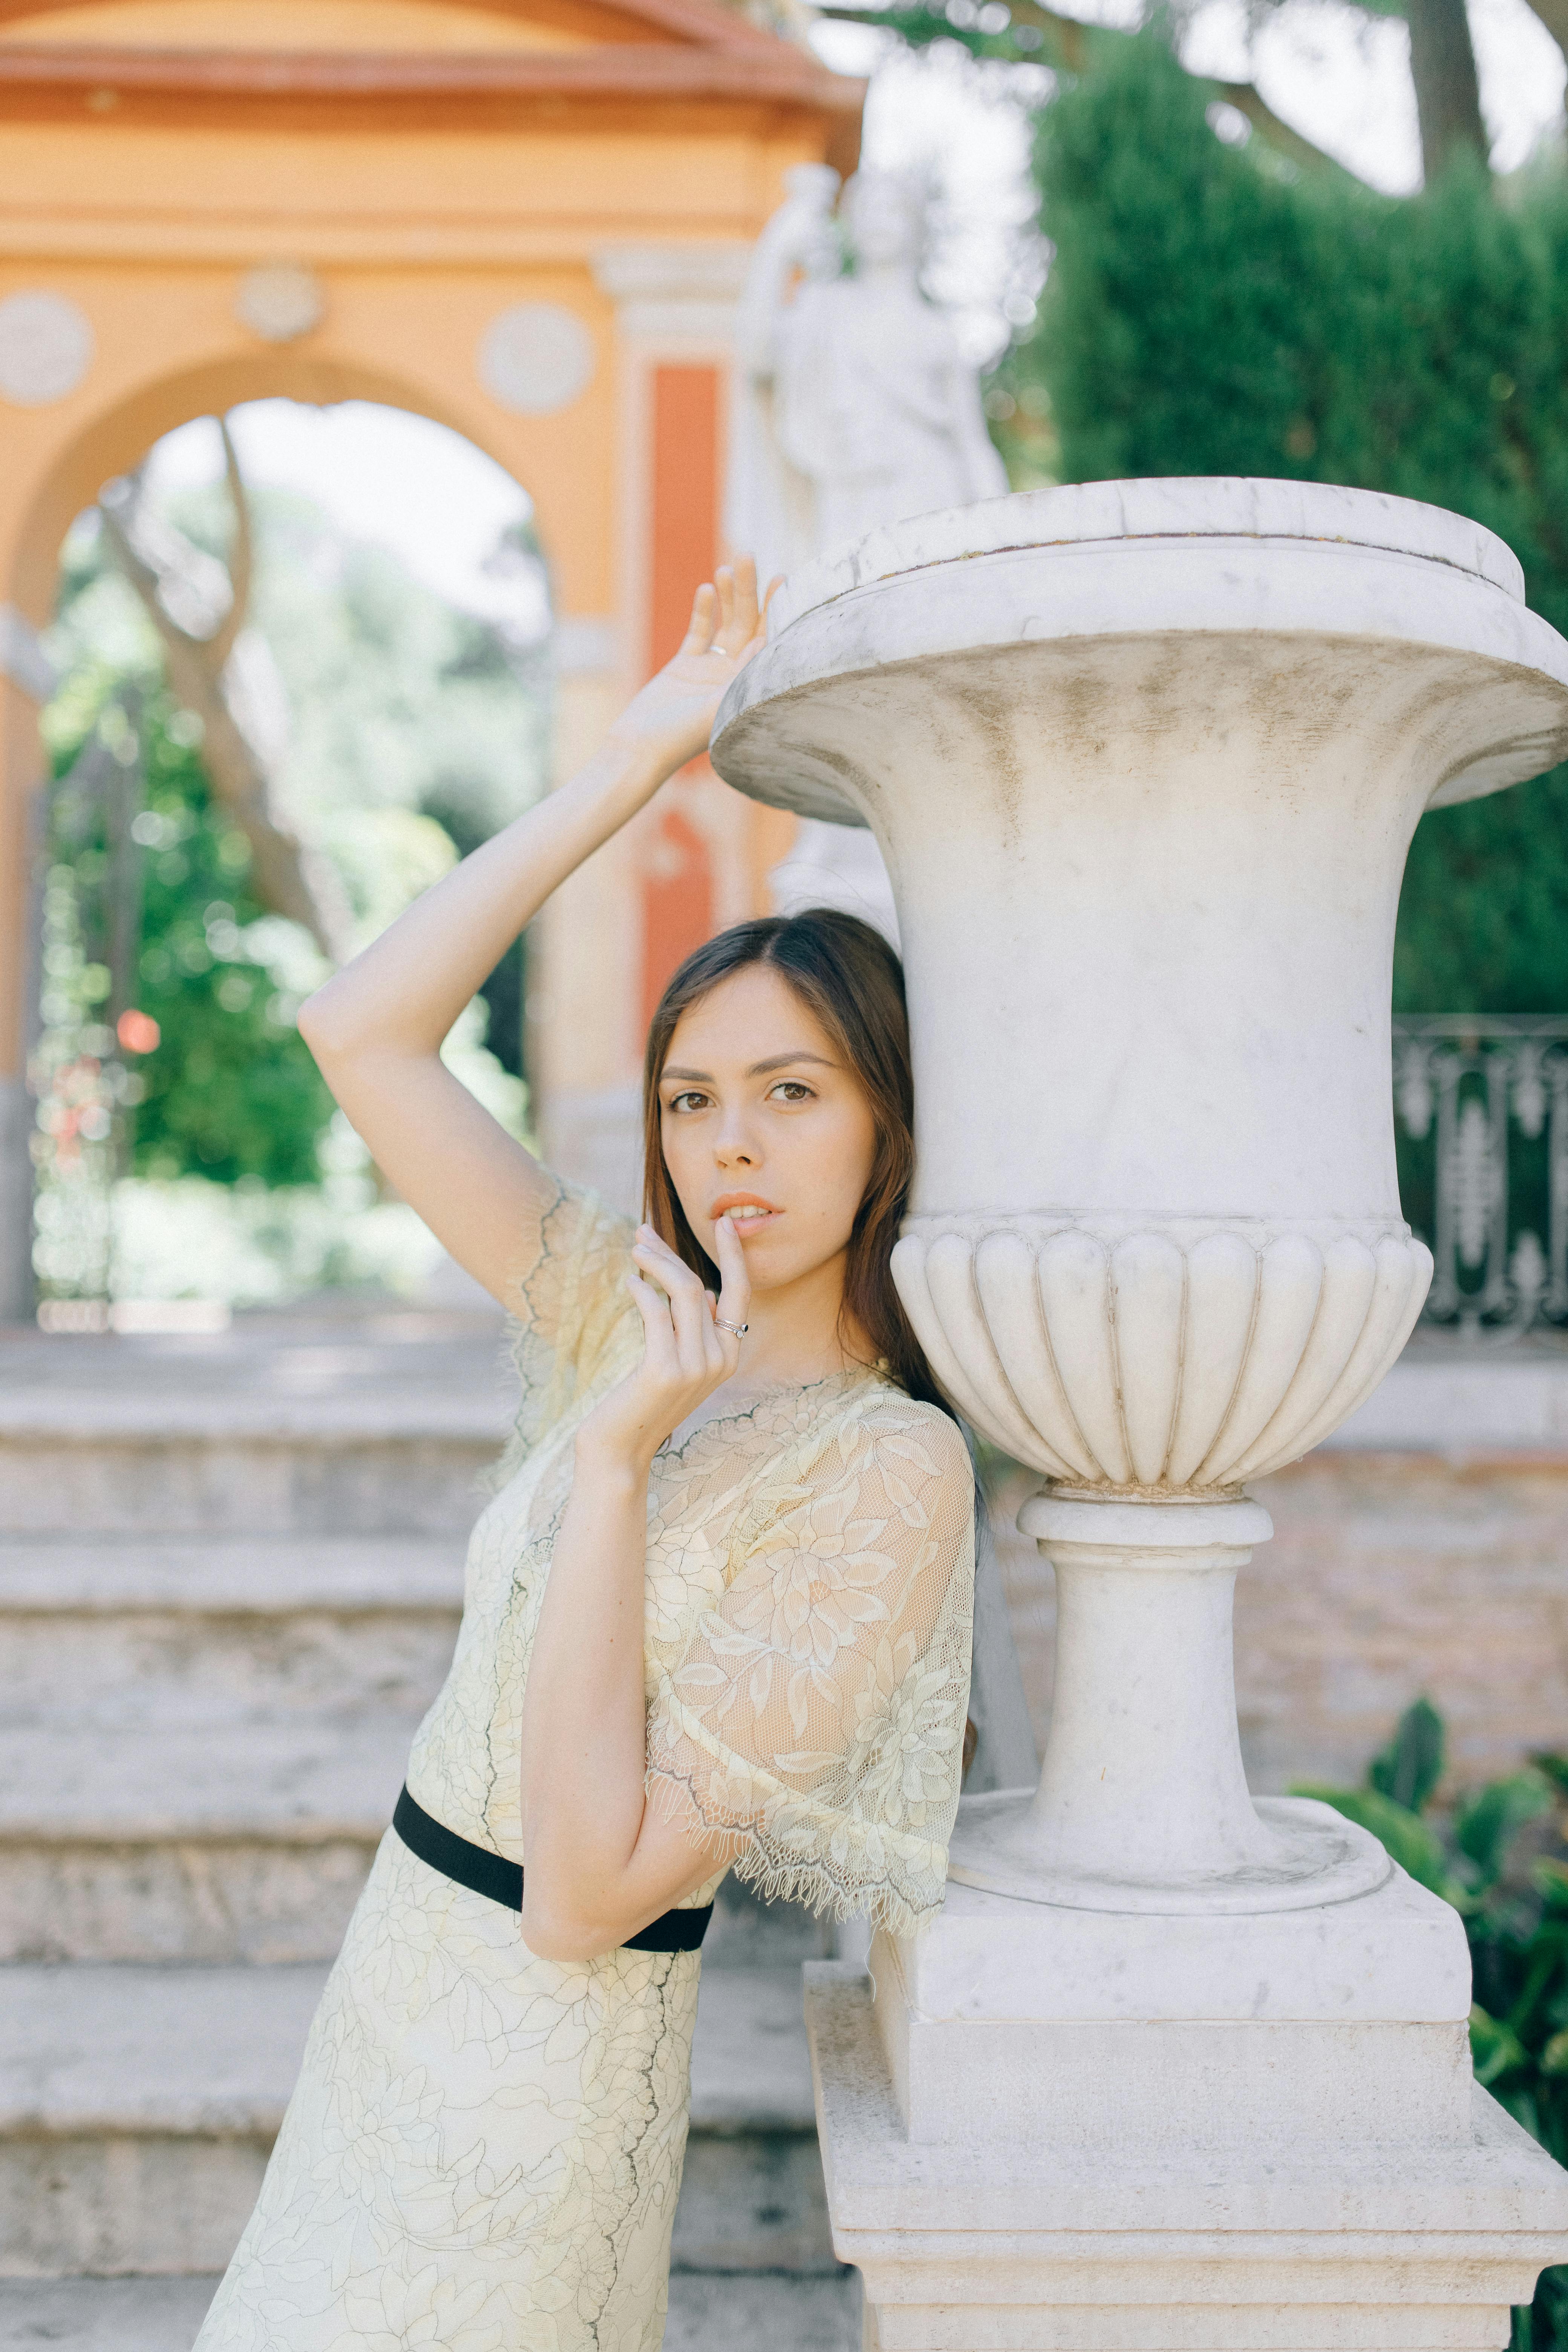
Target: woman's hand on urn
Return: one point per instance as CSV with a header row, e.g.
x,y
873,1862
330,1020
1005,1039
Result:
x,y
688,1351
669,722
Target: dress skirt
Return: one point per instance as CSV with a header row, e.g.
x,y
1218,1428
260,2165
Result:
x,y
483,2151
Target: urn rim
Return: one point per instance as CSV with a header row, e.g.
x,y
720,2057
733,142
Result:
x,y
1197,505
1268,576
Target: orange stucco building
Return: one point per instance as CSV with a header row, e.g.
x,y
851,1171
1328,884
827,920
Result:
x,y
526,219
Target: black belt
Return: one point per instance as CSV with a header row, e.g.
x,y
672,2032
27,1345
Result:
x,y
484,1872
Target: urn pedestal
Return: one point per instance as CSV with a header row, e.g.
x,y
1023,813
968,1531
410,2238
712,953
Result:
x,y
1173,2066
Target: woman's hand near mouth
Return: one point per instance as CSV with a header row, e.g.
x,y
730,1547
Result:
x,y
688,1352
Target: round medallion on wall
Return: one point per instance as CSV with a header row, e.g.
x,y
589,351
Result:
x,y
46,349
281,303
535,358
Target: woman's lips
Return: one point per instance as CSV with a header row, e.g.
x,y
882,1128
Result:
x,y
747,1214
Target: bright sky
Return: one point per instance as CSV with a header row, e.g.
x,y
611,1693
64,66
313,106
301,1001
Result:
x,y
1336,74
397,480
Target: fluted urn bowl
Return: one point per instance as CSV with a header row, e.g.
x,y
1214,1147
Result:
x,y
1145,760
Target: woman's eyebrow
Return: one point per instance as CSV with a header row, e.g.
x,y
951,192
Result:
x,y
783,1061
673,1074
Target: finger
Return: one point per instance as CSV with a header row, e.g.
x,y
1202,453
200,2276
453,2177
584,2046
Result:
x,y
658,1331
724,581
704,621
655,1255
745,622
739,623
693,1326
735,1293
688,1306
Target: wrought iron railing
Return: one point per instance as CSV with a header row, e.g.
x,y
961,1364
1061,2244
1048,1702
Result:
x,y
1480,1109
86,925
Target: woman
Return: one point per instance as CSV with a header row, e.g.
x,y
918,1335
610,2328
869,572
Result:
x,y
718,1615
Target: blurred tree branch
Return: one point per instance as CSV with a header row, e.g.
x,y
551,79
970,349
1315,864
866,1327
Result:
x,y
1068,44
1448,88
1442,66
199,609
1553,14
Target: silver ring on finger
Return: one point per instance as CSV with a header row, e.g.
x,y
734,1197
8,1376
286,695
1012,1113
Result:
x,y
739,1329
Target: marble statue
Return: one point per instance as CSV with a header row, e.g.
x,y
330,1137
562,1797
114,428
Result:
x,y
856,408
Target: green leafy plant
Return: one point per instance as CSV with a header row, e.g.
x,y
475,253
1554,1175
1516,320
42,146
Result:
x,y
1516,1919
229,1090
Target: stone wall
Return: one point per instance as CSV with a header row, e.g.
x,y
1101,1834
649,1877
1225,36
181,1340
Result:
x,y
1426,1550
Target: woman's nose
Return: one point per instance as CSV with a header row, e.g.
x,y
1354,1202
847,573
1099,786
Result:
x,y
734,1147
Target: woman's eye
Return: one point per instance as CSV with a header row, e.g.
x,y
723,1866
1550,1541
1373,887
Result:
x,y
792,1090
690,1100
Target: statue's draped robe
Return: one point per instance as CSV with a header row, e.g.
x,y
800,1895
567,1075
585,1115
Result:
x,y
870,396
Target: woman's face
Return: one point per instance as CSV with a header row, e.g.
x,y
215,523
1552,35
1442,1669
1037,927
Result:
x,y
760,1115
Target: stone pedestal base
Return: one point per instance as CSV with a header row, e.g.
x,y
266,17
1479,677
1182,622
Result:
x,y
1056,2131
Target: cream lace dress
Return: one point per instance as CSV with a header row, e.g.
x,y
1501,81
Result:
x,y
484,2148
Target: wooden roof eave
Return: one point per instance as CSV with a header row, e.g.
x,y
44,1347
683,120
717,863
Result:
x,y
708,24
748,68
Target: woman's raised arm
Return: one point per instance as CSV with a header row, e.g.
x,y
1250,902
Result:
x,y
376,1028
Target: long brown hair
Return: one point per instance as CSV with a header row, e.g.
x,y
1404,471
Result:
x,y
848,977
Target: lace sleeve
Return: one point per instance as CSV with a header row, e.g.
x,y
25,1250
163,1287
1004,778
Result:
x,y
571,1308
820,1705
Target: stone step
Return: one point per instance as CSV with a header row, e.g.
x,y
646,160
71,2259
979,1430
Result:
x,y
707,2313
292,1356
247,1843
202,1739
771,2315
378,1426
754,2202
750,2067
199,1630
103,2314
320,1480
118,1576
137,2106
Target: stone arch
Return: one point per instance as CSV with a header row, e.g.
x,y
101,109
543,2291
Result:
x,y
114,440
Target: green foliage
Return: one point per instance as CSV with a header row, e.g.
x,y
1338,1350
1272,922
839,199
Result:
x,y
1411,1765
1516,1919
230,1090
1483,919
382,698
402,723
1212,310
1484,1828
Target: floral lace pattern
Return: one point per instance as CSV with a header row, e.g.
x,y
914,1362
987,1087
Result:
x,y
807,1682
484,2148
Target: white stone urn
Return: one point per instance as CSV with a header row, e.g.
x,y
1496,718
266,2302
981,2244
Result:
x,y
1144,760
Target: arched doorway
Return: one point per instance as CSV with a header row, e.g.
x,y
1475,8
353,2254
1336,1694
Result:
x,y
305,666
527,220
